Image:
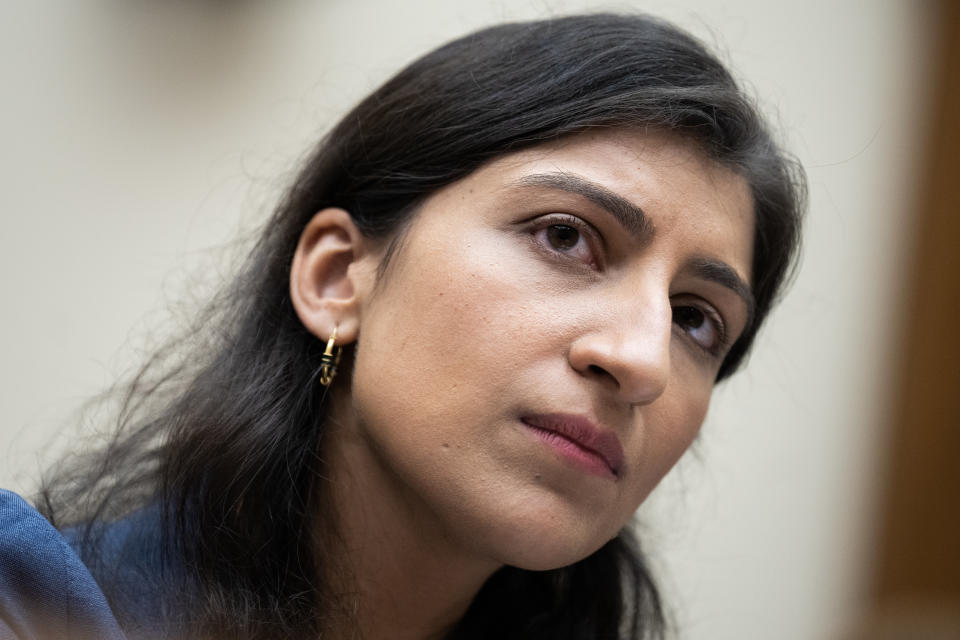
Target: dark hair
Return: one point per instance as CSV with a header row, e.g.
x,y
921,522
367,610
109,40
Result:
x,y
226,437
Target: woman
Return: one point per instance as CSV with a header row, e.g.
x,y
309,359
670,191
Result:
x,y
483,324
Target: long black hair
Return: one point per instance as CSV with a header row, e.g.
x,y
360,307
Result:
x,y
223,430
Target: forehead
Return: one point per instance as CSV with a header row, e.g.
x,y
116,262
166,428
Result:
x,y
695,205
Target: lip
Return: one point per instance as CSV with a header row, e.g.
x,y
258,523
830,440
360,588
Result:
x,y
579,440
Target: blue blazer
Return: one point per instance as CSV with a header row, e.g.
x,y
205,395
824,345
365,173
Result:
x,y
47,592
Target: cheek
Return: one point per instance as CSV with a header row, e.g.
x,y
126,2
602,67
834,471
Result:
x,y
435,343
667,428
455,311
441,359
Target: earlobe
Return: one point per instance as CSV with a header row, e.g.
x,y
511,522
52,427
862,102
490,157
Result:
x,y
324,289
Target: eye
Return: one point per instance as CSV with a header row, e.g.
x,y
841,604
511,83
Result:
x,y
568,236
703,326
562,238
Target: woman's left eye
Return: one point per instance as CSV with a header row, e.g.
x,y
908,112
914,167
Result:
x,y
567,236
704,327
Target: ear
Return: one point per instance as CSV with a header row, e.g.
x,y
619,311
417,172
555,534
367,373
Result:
x,y
328,276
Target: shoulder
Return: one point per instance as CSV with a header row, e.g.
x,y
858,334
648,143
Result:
x,y
45,589
139,572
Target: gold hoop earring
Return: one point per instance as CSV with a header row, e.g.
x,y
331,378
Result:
x,y
329,360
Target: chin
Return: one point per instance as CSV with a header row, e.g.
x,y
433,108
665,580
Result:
x,y
541,541
546,554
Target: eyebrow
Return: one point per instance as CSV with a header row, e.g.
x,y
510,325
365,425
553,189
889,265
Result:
x,y
724,275
636,221
629,215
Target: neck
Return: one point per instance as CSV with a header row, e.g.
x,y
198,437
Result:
x,y
398,575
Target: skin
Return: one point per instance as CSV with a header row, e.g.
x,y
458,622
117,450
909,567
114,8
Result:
x,y
512,295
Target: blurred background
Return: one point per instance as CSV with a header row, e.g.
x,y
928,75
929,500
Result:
x,y
142,138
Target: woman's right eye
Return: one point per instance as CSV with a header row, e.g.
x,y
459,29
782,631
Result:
x,y
562,237
566,236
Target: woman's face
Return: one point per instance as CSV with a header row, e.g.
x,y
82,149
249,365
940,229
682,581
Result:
x,y
544,343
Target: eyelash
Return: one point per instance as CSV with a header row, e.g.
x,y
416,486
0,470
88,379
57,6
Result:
x,y
592,238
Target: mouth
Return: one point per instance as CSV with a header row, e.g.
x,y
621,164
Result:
x,y
580,442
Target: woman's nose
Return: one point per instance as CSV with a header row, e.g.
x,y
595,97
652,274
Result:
x,y
629,353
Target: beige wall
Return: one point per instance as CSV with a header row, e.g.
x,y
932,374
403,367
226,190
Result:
x,y
137,135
